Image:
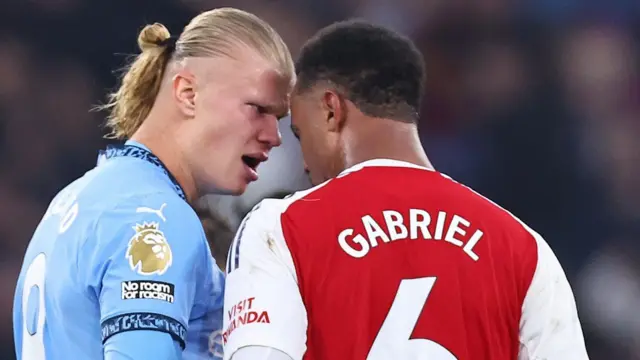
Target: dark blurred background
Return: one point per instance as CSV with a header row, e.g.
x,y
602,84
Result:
x,y
534,103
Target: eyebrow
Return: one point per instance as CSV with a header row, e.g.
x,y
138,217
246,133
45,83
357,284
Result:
x,y
279,110
283,115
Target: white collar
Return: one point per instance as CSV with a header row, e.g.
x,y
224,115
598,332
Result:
x,y
382,162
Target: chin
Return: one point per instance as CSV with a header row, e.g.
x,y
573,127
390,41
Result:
x,y
238,191
234,188
239,186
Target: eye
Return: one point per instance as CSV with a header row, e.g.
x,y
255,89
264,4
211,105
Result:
x,y
259,108
295,132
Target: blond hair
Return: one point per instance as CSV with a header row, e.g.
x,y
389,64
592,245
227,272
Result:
x,y
212,33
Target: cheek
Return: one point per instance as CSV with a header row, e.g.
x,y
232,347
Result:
x,y
216,138
313,149
223,120
206,102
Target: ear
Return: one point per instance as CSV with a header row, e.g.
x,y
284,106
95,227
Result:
x,y
335,109
184,92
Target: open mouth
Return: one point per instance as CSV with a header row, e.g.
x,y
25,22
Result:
x,y
251,162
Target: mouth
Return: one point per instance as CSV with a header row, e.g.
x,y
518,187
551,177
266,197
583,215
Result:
x,y
251,162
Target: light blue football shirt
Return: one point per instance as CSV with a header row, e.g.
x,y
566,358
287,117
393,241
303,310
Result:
x,y
119,268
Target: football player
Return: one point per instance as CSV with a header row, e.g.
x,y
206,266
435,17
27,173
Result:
x,y
119,267
386,258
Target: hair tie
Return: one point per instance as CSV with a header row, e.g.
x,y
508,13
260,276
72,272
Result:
x,y
169,43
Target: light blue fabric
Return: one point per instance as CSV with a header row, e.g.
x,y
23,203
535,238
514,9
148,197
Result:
x,y
119,268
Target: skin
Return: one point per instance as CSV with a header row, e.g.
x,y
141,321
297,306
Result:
x,y
335,135
209,113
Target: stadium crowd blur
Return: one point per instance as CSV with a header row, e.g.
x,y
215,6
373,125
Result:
x,y
535,104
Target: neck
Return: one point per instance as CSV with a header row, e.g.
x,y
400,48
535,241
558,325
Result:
x,y
385,139
167,150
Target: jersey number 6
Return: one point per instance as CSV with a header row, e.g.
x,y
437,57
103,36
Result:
x,y
392,341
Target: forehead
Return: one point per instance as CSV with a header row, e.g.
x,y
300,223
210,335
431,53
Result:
x,y
266,80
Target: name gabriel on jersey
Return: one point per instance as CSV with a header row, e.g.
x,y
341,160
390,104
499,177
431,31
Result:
x,y
419,226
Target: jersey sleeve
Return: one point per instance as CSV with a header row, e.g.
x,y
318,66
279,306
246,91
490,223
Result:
x,y
128,347
204,338
149,258
549,327
263,305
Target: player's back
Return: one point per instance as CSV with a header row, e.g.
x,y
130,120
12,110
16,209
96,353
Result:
x,y
77,265
52,259
395,261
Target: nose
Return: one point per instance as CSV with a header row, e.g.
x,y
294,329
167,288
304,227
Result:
x,y
270,135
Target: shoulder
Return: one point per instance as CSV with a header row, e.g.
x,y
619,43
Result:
x,y
518,233
533,256
267,214
117,180
260,232
543,265
141,220
164,208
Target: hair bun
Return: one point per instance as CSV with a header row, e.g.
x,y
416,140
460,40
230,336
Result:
x,y
152,36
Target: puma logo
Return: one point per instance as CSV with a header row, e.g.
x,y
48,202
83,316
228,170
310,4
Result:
x,y
153,211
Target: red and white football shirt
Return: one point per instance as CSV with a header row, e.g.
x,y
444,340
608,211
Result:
x,y
393,261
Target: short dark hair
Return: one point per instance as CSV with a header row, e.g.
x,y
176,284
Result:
x,y
379,70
